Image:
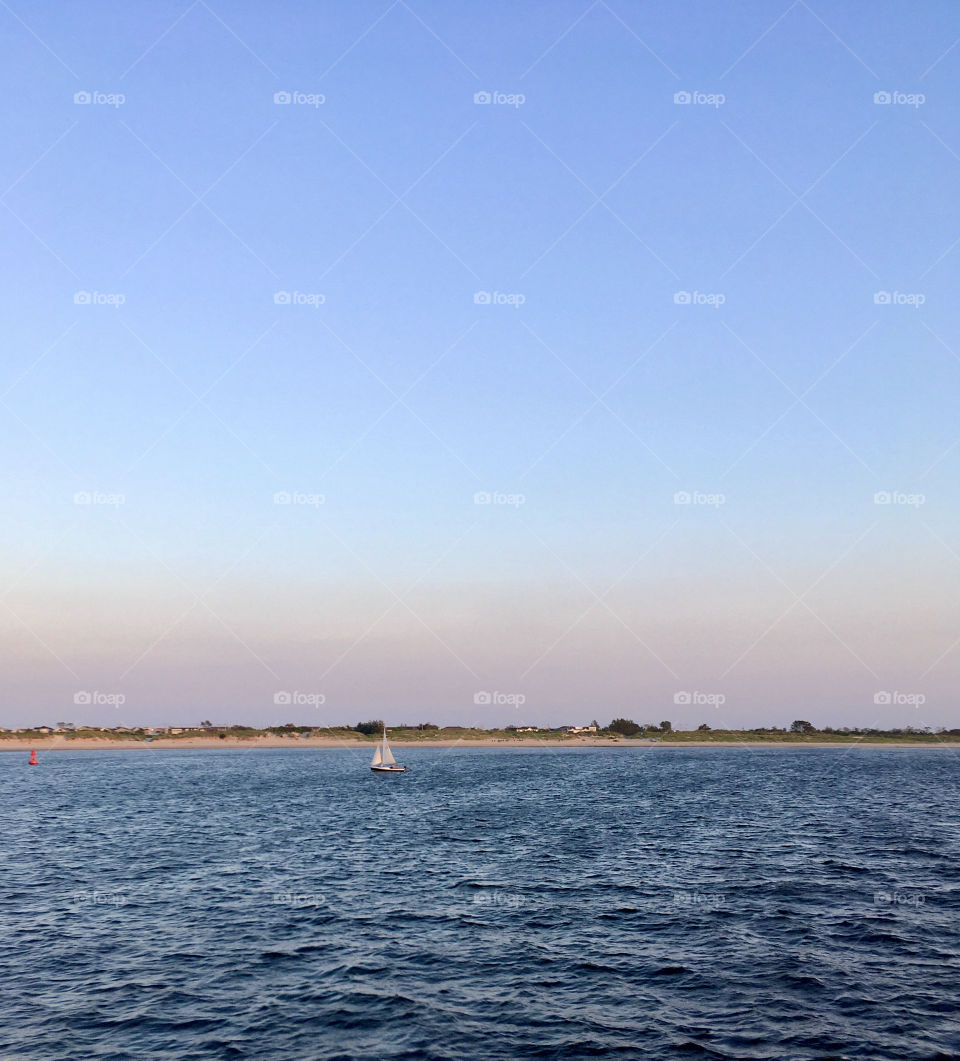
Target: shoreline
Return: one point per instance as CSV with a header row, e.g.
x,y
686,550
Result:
x,y
253,743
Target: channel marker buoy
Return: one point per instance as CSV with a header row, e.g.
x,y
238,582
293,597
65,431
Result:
x,y
33,758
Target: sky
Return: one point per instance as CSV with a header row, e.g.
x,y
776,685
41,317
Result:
x,y
480,363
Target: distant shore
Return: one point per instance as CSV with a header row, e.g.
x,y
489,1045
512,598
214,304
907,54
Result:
x,y
61,743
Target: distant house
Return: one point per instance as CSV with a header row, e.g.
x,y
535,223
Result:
x,y
524,729
575,730
176,729
66,727
43,729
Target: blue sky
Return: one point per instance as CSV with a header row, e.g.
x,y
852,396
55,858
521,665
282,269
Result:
x,y
578,257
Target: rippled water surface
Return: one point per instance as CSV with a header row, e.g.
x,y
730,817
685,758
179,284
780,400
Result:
x,y
730,903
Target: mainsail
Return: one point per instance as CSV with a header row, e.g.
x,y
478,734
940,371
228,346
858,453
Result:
x,y
383,759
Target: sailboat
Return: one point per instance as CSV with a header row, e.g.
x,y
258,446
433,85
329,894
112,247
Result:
x,y
383,761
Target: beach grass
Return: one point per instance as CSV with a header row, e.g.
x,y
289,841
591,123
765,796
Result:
x,y
464,734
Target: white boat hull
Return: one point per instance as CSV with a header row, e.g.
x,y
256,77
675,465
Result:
x,y
383,760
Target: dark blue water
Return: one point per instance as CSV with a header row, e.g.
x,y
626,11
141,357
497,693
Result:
x,y
660,903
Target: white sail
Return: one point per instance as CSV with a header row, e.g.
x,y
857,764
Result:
x,y
377,757
386,754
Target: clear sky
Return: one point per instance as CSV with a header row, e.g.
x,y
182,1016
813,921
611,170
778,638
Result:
x,y
576,258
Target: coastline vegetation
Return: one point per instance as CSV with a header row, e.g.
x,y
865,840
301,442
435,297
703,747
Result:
x,y
619,729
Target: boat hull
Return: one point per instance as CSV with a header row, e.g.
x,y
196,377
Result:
x,y
389,769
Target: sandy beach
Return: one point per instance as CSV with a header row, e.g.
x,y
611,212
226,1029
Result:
x,y
60,743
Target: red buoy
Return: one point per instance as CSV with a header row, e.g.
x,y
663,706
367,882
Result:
x,y
33,758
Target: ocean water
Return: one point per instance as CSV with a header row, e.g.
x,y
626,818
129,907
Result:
x,y
634,903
